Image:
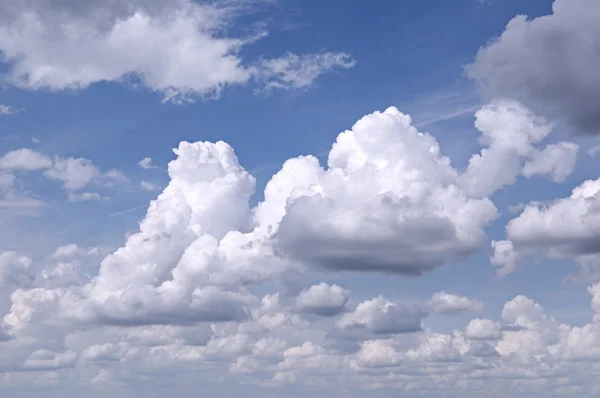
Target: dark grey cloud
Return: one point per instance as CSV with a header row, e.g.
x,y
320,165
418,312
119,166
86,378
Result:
x,y
550,63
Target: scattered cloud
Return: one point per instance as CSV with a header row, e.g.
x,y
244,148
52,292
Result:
x,y
148,186
7,110
24,159
146,163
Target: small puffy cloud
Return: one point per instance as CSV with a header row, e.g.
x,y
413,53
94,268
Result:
x,y
565,42
75,173
323,299
511,132
148,186
446,303
381,316
565,228
24,159
7,110
146,163
378,205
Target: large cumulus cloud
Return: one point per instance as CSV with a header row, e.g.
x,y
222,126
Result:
x,y
199,285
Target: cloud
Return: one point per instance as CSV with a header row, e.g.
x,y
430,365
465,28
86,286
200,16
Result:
x,y
446,303
483,329
84,196
565,228
7,110
381,316
24,159
322,299
299,72
510,132
206,287
146,163
14,270
148,186
549,63
75,173
556,160
186,50
377,206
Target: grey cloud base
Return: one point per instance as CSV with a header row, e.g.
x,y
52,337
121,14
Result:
x,y
549,63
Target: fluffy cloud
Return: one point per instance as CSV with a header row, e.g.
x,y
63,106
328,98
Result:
x,y
148,186
511,132
322,299
566,43
446,303
6,110
381,316
177,47
146,163
388,201
565,228
24,159
75,173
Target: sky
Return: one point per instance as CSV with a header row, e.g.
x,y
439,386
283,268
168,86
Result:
x,y
285,198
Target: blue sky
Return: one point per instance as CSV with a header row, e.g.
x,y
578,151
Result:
x,y
277,80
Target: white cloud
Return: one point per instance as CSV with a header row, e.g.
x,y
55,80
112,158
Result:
x,y
298,72
483,329
446,303
381,316
377,206
24,159
6,110
322,299
185,52
84,196
75,173
148,186
146,163
565,228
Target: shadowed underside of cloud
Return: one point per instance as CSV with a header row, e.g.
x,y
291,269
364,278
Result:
x,y
179,48
549,63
